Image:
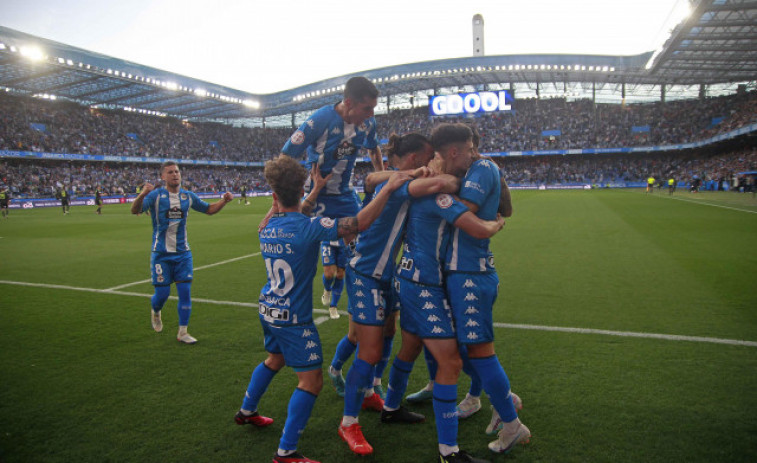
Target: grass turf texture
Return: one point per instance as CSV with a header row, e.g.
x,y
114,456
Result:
x,y
84,378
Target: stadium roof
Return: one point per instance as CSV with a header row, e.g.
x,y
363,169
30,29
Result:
x,y
717,44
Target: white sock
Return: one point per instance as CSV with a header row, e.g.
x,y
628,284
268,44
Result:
x,y
349,420
429,386
182,330
246,412
447,450
377,381
284,453
334,371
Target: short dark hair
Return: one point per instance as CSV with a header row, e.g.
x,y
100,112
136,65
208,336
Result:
x,y
286,177
359,88
402,145
167,164
445,134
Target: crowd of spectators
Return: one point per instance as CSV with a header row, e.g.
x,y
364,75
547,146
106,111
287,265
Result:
x,y
583,124
28,124
40,179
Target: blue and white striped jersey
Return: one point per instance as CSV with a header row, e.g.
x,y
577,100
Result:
x,y
376,247
427,236
169,217
481,186
290,246
333,144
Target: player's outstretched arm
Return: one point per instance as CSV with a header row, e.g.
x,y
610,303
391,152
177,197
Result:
x,y
443,183
218,205
348,227
471,224
505,201
136,206
319,183
377,159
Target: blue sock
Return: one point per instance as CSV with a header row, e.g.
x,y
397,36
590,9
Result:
x,y
445,405
160,297
496,384
475,380
430,364
185,302
398,377
385,355
327,283
358,379
336,291
259,381
298,413
343,352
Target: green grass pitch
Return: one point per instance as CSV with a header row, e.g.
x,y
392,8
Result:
x,y
84,378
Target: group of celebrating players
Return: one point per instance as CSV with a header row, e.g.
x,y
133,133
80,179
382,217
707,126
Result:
x,y
439,199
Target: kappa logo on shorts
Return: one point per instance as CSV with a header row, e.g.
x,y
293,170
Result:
x,y
307,333
311,345
361,316
471,322
298,137
443,200
425,293
336,131
472,335
359,294
433,318
437,330
313,357
358,282
470,297
469,284
360,305
429,305
471,310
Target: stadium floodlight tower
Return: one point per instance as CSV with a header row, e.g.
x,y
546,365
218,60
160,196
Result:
x,y
478,35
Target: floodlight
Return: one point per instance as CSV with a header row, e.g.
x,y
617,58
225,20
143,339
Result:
x,y
33,53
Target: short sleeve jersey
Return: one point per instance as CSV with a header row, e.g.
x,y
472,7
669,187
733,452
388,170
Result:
x,y
480,186
333,144
169,217
290,246
427,237
376,247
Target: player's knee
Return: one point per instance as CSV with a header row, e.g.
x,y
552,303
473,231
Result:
x,y
329,272
340,273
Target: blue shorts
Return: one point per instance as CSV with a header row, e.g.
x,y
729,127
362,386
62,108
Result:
x,y
472,297
334,253
167,268
336,206
368,298
299,344
425,311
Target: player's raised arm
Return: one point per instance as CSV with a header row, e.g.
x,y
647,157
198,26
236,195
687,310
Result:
x,y
136,206
318,183
218,205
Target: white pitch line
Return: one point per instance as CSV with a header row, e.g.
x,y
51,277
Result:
x,y
115,288
628,334
320,320
706,204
